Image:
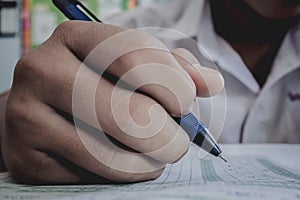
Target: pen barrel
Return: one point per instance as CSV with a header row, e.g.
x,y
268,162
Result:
x,y
206,142
75,10
198,133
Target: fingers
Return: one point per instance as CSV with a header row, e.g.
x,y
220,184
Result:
x,y
134,119
41,167
56,136
62,81
28,163
208,82
37,167
3,100
144,60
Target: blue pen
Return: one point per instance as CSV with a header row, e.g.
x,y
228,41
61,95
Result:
x,y
196,130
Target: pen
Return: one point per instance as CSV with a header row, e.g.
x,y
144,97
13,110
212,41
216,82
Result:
x,y
197,131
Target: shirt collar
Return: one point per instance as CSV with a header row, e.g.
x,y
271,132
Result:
x,y
210,49
222,53
215,48
288,58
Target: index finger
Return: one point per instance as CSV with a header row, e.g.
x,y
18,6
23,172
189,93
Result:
x,y
120,51
209,82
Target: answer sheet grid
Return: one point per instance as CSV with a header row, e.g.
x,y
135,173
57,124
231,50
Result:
x,y
248,171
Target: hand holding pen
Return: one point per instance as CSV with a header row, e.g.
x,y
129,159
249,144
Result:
x,y
42,145
196,130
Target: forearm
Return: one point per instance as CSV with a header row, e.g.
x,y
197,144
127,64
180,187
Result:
x,y
3,100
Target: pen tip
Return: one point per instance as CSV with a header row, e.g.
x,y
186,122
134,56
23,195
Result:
x,y
222,157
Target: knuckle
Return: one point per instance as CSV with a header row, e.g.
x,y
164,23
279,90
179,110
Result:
x,y
27,69
66,32
29,73
145,45
64,28
12,116
16,108
23,65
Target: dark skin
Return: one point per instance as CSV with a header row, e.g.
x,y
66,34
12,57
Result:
x,y
42,145
3,100
278,9
257,29
251,52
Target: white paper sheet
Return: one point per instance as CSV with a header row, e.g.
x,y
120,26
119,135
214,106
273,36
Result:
x,y
245,176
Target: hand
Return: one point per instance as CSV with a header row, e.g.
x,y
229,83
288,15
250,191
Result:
x,y
51,133
3,100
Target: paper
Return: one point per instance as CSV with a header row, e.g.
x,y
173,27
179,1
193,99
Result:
x,y
243,177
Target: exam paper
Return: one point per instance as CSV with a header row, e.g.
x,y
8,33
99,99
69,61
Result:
x,y
243,177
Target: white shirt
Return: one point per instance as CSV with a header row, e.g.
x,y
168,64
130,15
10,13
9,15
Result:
x,y
243,112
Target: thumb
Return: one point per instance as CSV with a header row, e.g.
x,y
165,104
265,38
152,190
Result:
x,y
209,82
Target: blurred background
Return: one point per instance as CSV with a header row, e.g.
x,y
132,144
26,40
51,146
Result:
x,y
25,24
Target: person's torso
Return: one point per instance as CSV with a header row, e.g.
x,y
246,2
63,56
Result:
x,y
242,112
